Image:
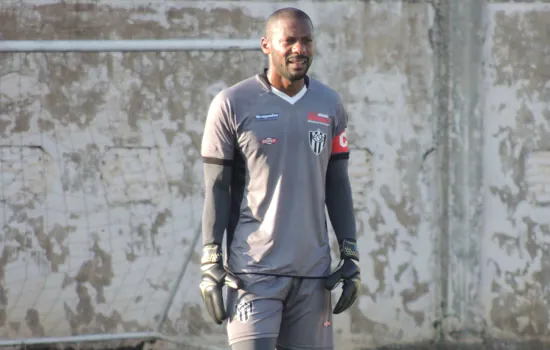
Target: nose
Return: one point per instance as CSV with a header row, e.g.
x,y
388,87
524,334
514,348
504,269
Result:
x,y
299,48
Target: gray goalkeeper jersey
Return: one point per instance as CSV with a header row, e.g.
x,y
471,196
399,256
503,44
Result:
x,y
279,152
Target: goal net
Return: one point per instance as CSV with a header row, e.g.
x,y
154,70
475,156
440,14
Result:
x,y
101,177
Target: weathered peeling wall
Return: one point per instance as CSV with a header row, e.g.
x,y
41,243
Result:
x,y
102,184
516,250
498,83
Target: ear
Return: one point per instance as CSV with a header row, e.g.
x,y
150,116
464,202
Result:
x,y
265,46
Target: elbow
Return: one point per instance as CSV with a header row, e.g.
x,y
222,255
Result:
x,y
217,179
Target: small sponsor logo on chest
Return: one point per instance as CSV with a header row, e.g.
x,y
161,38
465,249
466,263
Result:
x,y
265,117
318,118
269,141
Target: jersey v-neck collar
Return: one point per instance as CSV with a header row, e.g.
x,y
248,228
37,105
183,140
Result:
x,y
290,99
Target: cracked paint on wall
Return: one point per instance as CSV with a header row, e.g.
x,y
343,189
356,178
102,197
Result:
x,y
103,187
517,225
122,131
102,180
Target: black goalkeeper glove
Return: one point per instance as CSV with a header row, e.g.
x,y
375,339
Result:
x,y
213,278
349,274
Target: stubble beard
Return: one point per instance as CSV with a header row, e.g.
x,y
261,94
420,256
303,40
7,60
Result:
x,y
284,72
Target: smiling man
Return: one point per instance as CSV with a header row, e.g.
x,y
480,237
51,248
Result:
x,y
275,156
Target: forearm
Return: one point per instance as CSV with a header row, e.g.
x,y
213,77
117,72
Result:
x,y
339,201
217,202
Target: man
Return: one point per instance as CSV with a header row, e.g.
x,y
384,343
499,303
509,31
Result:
x,y
275,153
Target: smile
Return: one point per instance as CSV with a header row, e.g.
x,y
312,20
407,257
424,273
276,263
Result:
x,y
298,61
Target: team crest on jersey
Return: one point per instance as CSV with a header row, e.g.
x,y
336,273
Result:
x,y
317,141
243,311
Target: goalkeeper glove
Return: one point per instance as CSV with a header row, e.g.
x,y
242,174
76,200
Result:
x,y
213,278
349,274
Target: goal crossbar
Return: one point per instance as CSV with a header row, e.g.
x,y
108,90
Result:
x,y
129,45
164,45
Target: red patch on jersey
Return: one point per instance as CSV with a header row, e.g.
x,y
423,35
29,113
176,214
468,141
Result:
x,y
340,143
318,118
269,141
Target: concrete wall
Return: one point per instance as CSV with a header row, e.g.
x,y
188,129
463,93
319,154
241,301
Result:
x,y
515,270
450,130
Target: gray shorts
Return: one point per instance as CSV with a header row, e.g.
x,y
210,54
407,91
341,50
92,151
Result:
x,y
297,311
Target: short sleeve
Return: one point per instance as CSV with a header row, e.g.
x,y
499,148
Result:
x,y
340,146
218,139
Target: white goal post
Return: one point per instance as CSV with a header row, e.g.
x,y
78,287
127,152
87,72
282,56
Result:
x,y
129,45
41,46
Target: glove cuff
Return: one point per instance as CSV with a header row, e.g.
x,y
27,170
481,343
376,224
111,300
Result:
x,y
348,250
211,254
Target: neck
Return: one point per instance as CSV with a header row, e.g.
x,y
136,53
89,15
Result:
x,y
290,88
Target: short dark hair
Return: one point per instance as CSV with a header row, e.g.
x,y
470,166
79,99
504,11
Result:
x,y
286,12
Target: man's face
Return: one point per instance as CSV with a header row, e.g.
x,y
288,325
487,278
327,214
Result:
x,y
290,47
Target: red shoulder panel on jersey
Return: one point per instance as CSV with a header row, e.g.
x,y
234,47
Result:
x,y
340,143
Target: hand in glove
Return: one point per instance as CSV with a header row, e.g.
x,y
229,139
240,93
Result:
x,y
213,278
349,274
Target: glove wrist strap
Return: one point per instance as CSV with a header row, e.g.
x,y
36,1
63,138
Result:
x,y
348,250
211,254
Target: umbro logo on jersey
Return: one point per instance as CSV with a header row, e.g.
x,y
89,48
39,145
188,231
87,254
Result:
x,y
317,141
318,118
271,116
